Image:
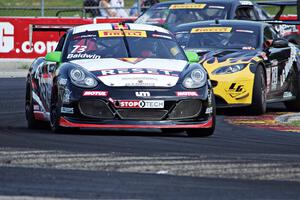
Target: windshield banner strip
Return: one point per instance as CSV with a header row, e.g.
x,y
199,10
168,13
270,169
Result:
x,y
119,33
212,30
187,6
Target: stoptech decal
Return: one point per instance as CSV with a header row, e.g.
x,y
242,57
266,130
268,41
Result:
x,y
212,30
139,104
119,33
95,93
187,6
138,71
187,94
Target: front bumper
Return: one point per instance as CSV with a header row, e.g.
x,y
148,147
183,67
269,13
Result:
x,y
105,112
125,124
233,90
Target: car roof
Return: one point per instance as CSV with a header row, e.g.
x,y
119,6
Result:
x,y
188,26
110,26
202,1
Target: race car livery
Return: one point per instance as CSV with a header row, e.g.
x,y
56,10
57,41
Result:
x,y
173,13
120,76
248,63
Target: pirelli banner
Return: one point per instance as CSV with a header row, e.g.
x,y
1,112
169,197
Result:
x,y
19,40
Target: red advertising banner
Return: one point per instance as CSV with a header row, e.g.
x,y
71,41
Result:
x,y
17,40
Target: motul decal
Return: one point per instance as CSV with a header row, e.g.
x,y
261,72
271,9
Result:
x,y
95,93
187,94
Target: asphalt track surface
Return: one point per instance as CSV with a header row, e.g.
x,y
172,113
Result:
x,y
235,163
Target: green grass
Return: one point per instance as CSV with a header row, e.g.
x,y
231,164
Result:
x,y
72,3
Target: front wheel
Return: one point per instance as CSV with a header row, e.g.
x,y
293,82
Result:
x,y
259,96
294,105
55,113
32,123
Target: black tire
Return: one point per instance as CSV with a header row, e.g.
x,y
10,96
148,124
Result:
x,y
204,132
294,105
259,96
32,123
55,112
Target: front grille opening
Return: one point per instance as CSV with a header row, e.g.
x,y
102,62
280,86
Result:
x,y
95,109
185,109
142,114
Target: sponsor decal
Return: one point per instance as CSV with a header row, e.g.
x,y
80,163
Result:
x,y
36,107
62,81
237,91
285,29
119,33
67,110
287,94
66,96
187,6
142,94
248,48
246,3
139,104
268,70
84,55
212,30
95,93
209,110
139,84
274,78
187,94
139,71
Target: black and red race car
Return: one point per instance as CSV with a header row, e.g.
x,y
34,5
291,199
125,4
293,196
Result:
x,y
120,76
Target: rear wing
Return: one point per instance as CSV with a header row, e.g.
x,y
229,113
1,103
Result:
x,y
282,5
48,28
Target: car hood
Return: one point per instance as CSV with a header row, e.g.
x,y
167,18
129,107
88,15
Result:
x,y
135,72
212,59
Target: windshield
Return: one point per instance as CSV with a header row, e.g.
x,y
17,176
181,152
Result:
x,y
219,37
177,14
113,44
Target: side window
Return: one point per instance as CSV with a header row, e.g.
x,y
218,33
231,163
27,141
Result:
x,y
61,43
262,15
270,33
245,13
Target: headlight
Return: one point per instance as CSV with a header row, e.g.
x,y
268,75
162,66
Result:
x,y
196,79
229,69
82,79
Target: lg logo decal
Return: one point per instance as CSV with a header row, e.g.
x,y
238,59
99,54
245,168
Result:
x,y
6,37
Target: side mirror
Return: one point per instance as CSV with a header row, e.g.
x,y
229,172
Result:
x,y
280,43
54,56
192,56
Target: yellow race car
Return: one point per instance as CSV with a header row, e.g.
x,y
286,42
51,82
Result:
x,y
249,64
